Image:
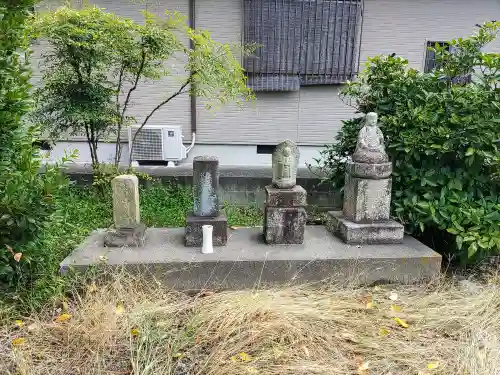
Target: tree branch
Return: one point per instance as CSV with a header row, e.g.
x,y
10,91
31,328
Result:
x,y
118,147
125,106
177,93
90,143
134,87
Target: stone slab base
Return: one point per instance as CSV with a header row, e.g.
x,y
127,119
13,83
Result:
x,y
247,262
126,237
194,231
284,225
386,232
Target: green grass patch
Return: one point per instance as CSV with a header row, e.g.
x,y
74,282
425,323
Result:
x,y
80,210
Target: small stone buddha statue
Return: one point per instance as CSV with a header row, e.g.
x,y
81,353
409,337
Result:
x,y
285,160
370,148
285,164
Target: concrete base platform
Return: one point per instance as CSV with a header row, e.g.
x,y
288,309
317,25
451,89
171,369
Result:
x,y
247,262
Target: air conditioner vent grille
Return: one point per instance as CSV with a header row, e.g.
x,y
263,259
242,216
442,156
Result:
x,y
148,144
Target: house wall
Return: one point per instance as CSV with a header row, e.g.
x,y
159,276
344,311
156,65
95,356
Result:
x,y
312,116
404,26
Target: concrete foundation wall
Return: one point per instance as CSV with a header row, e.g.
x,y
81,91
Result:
x,y
238,185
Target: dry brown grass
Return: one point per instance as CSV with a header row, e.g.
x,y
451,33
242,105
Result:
x,y
296,331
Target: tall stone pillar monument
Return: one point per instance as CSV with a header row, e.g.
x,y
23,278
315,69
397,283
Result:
x,y
129,231
367,193
206,203
285,214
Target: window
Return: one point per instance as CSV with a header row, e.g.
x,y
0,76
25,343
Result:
x,y
430,62
265,149
301,42
430,56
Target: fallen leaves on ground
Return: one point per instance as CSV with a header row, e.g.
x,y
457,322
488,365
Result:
x,y
383,331
401,322
395,308
432,365
120,308
18,341
243,357
63,318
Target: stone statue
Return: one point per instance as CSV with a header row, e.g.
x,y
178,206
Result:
x,y
285,163
128,231
285,214
370,147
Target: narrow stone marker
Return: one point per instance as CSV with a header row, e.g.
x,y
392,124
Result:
x,y
285,214
206,204
129,231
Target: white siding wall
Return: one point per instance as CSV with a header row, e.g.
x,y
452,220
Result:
x,y
313,115
404,26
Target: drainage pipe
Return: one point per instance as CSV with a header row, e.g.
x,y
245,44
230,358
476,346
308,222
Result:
x,y
192,25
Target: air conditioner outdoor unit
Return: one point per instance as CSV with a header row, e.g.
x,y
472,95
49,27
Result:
x,y
157,143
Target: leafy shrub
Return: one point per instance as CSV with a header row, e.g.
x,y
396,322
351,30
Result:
x,y
442,135
26,201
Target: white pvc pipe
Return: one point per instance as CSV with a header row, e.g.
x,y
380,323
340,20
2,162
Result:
x,y
193,140
207,239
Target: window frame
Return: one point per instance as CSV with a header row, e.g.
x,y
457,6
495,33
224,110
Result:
x,y
429,44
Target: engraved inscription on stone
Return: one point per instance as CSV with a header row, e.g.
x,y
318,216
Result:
x,y
205,186
206,202
126,212
285,164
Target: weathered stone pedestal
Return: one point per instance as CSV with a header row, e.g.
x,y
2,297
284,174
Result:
x,y
367,202
206,204
194,230
129,231
285,215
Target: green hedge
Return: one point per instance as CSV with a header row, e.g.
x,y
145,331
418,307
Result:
x,y
442,130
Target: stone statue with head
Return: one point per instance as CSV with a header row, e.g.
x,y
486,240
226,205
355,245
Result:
x,y
285,163
370,148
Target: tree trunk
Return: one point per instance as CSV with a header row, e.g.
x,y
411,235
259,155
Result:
x,y
92,142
